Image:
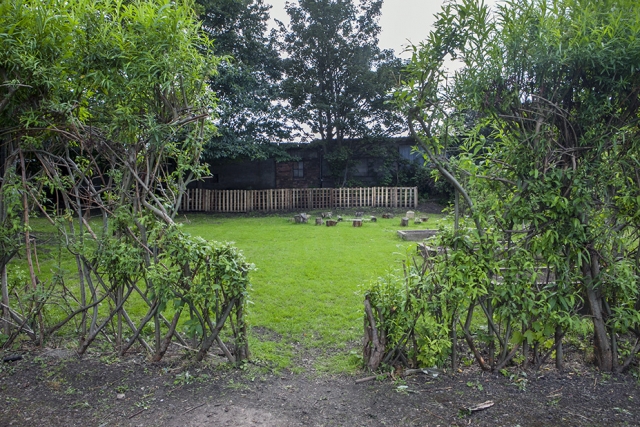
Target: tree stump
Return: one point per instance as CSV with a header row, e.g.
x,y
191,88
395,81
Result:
x,y
424,219
374,219
302,218
357,223
331,223
319,220
404,222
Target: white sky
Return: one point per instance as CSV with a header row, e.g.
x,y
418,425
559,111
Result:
x,y
401,20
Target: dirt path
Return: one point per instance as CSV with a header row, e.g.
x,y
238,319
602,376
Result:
x,y
55,388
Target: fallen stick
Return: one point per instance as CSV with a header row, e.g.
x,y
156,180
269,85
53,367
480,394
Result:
x,y
481,406
195,407
137,413
441,389
582,416
12,358
437,416
372,377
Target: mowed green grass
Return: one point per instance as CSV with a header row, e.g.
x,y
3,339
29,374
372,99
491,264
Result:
x,y
307,291
306,300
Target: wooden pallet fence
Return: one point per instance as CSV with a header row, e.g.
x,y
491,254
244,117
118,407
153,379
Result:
x,y
201,200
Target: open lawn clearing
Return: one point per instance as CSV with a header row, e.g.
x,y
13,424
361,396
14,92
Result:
x,y
307,289
306,292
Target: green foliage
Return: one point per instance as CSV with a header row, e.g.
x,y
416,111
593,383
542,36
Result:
x,y
249,114
336,78
178,270
547,152
408,311
11,222
203,275
104,108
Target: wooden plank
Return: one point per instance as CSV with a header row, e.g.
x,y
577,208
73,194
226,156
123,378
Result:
x,y
205,200
195,200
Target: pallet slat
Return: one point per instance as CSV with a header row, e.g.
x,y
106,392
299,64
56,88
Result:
x,y
201,200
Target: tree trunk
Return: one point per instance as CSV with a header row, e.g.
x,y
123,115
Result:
x,y
6,315
559,350
376,341
601,343
242,345
453,335
81,283
167,339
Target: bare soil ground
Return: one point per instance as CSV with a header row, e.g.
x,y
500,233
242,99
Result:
x,y
53,387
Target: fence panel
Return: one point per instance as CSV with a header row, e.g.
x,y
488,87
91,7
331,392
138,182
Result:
x,y
300,199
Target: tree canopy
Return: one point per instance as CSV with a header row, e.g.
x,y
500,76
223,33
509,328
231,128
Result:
x,y
548,102
336,76
249,112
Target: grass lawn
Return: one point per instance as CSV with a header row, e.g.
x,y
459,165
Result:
x,y
307,291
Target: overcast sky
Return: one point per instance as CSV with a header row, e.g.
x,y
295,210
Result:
x,y
401,20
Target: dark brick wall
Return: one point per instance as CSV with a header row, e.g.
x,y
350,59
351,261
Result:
x,y
310,177
248,175
257,175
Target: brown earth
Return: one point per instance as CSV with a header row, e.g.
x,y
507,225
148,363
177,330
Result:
x,y
55,388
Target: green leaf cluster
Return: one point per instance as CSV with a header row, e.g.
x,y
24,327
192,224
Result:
x,y
545,108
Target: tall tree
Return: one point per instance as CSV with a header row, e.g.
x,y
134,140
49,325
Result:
x,y
249,114
337,78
